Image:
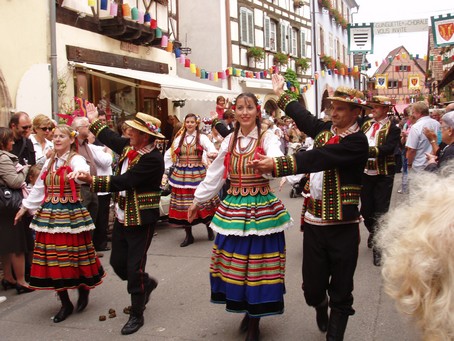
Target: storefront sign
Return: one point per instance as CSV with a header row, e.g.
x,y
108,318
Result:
x,y
443,30
361,38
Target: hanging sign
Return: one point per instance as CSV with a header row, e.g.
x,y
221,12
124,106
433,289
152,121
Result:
x,y
443,30
413,82
360,38
381,81
400,26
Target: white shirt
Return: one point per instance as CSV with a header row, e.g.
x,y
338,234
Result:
x,y
40,153
204,141
214,180
372,140
103,161
36,196
418,141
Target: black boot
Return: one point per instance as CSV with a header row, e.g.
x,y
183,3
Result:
x,y
210,232
66,307
189,237
152,284
336,326
253,331
82,302
136,320
322,315
376,257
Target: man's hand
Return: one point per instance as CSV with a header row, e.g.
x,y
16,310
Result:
x,y
262,165
19,215
278,82
83,176
92,112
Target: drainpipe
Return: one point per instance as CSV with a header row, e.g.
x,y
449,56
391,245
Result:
x,y
228,40
314,55
53,58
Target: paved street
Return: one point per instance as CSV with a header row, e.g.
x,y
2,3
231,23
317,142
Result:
x,y
180,309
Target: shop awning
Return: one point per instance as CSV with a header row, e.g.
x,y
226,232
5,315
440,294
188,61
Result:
x,y
171,87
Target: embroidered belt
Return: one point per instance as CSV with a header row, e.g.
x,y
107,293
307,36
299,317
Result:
x,y
146,200
349,196
55,199
245,190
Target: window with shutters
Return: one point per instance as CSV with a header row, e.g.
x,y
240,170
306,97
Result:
x,y
331,45
393,84
284,37
246,26
293,41
302,43
270,34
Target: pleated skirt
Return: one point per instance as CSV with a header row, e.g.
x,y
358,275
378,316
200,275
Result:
x,y
247,273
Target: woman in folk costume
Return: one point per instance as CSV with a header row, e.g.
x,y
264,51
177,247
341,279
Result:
x,y
248,258
186,155
64,256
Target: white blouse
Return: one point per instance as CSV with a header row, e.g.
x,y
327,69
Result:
x,y
214,180
40,153
36,196
207,145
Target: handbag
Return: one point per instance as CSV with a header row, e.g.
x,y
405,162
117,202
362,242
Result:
x,y
10,199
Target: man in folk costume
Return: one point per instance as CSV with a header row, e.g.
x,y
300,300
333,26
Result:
x,y
137,185
378,178
331,221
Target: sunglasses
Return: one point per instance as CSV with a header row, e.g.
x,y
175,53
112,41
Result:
x,y
26,127
46,128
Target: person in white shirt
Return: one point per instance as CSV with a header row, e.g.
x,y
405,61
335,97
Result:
x,y
42,127
186,155
417,144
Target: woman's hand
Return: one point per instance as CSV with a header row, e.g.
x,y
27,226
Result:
x,y
430,134
278,82
19,215
212,155
263,165
192,212
431,158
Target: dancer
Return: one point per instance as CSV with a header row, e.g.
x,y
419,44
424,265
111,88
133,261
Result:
x,y
248,257
64,257
186,154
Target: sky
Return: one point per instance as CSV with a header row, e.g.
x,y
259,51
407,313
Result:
x,y
392,10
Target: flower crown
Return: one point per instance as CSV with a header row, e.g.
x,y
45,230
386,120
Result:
x,y
74,133
153,128
207,120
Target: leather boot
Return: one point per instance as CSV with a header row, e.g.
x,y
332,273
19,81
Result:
x,y
152,284
210,233
336,326
322,315
82,302
66,307
136,319
189,237
376,257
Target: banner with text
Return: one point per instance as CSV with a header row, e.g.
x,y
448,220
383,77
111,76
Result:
x,y
400,26
443,30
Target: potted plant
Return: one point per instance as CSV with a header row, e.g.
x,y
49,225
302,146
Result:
x,y
302,64
256,53
281,58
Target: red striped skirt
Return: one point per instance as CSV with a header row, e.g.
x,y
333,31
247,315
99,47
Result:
x,y
65,261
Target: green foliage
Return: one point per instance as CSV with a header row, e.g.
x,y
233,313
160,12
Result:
x,y
256,53
281,58
293,85
303,63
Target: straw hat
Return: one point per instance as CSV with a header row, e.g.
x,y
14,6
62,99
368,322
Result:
x,y
381,101
146,123
349,95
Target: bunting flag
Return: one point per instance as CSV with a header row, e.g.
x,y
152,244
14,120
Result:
x,y
381,81
414,82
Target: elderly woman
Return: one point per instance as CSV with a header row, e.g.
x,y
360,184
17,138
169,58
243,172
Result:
x,y
416,240
42,127
447,137
13,241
